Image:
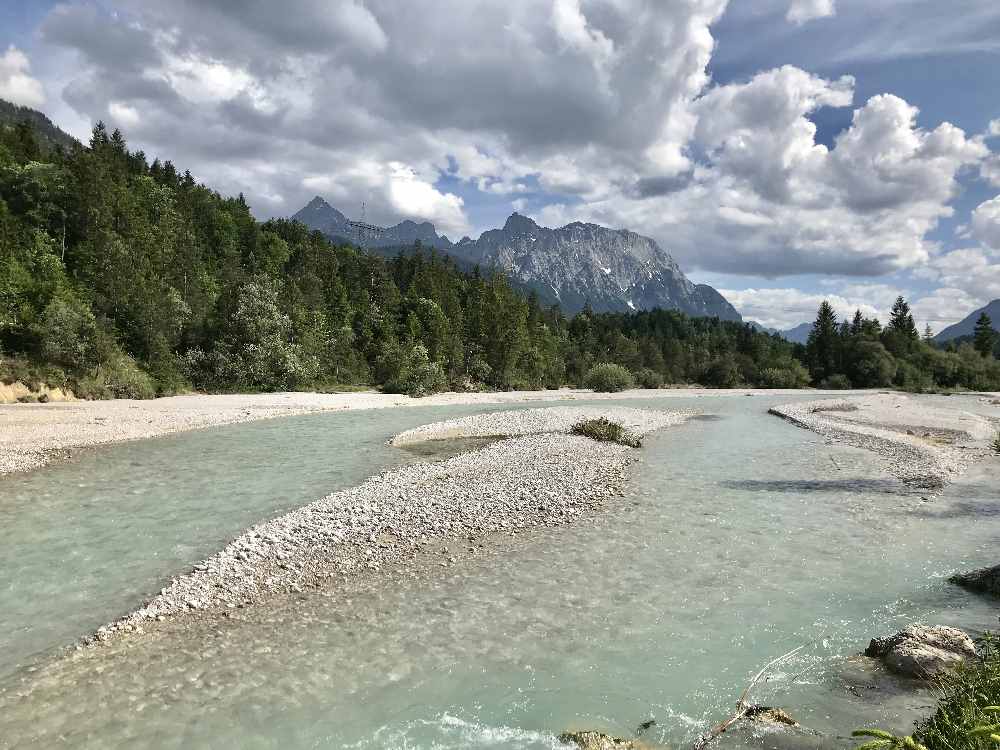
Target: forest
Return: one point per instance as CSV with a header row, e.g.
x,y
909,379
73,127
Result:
x,y
124,277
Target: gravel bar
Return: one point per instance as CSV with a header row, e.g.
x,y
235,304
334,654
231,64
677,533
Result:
x,y
924,446
546,478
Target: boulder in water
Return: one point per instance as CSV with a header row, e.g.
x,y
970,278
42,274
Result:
x,y
923,651
983,581
591,740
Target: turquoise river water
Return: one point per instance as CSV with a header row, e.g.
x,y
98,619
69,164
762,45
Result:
x,y
741,538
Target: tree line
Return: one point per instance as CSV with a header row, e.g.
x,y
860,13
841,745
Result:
x,y
861,353
121,277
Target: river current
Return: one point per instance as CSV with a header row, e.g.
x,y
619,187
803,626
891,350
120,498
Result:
x,y
741,538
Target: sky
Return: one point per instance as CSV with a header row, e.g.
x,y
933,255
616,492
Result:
x,y
784,151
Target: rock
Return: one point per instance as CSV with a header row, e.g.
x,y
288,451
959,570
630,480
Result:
x,y
923,651
590,740
769,715
984,580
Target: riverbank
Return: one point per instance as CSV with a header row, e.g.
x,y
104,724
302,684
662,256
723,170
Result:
x,y
542,477
31,435
923,445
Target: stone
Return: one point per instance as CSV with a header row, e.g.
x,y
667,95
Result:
x,y
983,581
591,740
923,651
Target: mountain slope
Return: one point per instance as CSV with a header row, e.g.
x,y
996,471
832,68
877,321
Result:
x,y
47,133
967,326
579,264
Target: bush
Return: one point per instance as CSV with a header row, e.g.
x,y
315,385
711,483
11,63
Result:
x,y
791,374
418,375
608,378
996,444
722,373
836,382
605,431
648,378
971,694
120,378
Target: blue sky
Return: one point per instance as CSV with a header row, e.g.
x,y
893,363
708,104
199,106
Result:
x,y
773,147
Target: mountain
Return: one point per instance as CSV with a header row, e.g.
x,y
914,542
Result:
x,y
318,214
967,326
611,269
799,334
47,133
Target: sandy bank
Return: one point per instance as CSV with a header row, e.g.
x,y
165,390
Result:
x,y
545,478
926,441
33,434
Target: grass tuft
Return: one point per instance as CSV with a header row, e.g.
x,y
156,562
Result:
x,y
606,431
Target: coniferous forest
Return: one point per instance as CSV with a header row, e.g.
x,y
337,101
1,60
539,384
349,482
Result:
x,y
121,277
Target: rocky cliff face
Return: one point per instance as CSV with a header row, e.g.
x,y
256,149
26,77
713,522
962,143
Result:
x,y
611,269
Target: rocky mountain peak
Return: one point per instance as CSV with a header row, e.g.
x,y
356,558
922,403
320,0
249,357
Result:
x,y
518,224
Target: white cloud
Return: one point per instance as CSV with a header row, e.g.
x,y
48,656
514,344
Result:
x,y
16,83
786,308
571,26
415,198
986,223
994,128
124,114
801,11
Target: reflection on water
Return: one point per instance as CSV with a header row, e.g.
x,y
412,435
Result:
x,y
439,450
724,556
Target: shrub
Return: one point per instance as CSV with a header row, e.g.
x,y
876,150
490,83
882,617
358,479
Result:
x,y
605,431
791,374
836,382
608,378
996,444
418,375
723,372
119,378
648,378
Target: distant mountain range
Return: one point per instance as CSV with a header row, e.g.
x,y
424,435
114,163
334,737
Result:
x,y
797,335
967,326
611,269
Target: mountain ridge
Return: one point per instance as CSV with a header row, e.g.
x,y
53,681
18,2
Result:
x,y
580,264
967,326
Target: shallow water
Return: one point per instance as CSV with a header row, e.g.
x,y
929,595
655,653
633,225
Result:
x,y
743,538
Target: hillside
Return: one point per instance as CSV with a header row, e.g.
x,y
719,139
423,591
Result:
x,y
47,133
967,326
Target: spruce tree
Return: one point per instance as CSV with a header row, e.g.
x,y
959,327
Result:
x,y
901,320
823,347
985,337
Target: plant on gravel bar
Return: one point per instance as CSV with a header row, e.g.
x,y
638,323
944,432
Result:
x,y
996,443
606,431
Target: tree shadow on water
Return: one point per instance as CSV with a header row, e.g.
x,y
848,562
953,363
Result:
x,y
884,486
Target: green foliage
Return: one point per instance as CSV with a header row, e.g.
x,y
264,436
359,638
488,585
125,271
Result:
x,y
985,337
648,378
967,714
787,374
417,374
996,444
836,382
606,431
608,378
887,740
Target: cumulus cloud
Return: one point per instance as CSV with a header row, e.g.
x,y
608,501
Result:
x,y
16,82
785,308
986,223
800,11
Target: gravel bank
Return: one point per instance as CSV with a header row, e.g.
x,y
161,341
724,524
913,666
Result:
x,y
32,435
541,479
924,444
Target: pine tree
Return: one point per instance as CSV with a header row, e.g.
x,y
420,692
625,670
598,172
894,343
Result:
x,y
985,337
858,324
901,320
823,347
928,334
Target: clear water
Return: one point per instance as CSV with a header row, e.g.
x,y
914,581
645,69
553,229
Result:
x,y
740,540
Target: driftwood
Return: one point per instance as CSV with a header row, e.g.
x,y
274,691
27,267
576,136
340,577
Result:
x,y
743,706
